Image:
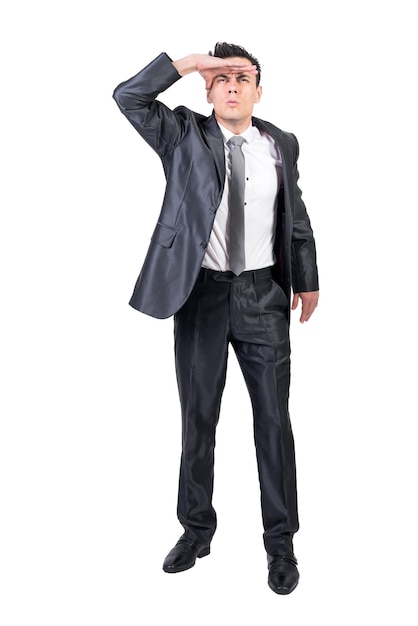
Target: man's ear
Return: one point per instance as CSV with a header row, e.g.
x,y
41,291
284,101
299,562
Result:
x,y
208,96
259,93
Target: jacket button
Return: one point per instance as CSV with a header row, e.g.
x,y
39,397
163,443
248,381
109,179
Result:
x,y
212,210
203,244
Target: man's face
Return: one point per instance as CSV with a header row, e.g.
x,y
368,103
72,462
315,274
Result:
x,y
233,97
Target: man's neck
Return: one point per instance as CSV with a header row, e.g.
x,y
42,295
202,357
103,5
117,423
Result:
x,y
234,126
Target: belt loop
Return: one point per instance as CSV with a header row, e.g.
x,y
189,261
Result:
x,y
254,276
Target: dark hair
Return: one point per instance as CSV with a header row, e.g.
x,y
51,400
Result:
x,y
226,50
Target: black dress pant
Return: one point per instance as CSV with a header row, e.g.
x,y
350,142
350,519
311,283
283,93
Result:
x,y
251,313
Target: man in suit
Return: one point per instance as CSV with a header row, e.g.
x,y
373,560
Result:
x,y
232,242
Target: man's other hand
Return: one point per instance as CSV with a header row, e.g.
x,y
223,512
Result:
x,y
309,303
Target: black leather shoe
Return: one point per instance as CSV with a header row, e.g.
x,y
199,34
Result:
x,y
183,556
283,573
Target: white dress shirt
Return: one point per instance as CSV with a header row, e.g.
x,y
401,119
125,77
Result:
x,y
263,173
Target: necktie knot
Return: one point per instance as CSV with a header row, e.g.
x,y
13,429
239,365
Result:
x,y
236,140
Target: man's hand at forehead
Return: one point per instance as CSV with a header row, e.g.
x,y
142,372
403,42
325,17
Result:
x,y
210,66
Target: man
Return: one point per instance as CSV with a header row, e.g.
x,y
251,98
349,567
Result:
x,y
232,240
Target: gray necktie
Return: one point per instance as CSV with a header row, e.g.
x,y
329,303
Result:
x,y
236,207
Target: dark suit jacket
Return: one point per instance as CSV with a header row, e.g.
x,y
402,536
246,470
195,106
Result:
x,y
191,149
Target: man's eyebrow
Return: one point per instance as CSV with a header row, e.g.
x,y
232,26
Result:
x,y
242,75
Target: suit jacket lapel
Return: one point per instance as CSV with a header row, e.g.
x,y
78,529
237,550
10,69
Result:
x,y
215,143
285,147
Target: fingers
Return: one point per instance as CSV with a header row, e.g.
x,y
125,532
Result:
x,y
306,313
207,62
309,304
240,67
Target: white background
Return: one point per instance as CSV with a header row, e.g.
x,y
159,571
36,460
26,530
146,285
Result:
x,y
90,431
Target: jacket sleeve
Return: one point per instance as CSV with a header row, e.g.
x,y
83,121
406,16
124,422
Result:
x,y
161,127
304,265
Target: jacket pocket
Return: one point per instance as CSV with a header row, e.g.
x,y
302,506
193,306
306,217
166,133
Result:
x,y
164,235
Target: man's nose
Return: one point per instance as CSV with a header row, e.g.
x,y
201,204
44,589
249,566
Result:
x,y
233,86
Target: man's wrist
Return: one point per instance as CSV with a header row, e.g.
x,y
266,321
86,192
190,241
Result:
x,y
186,65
